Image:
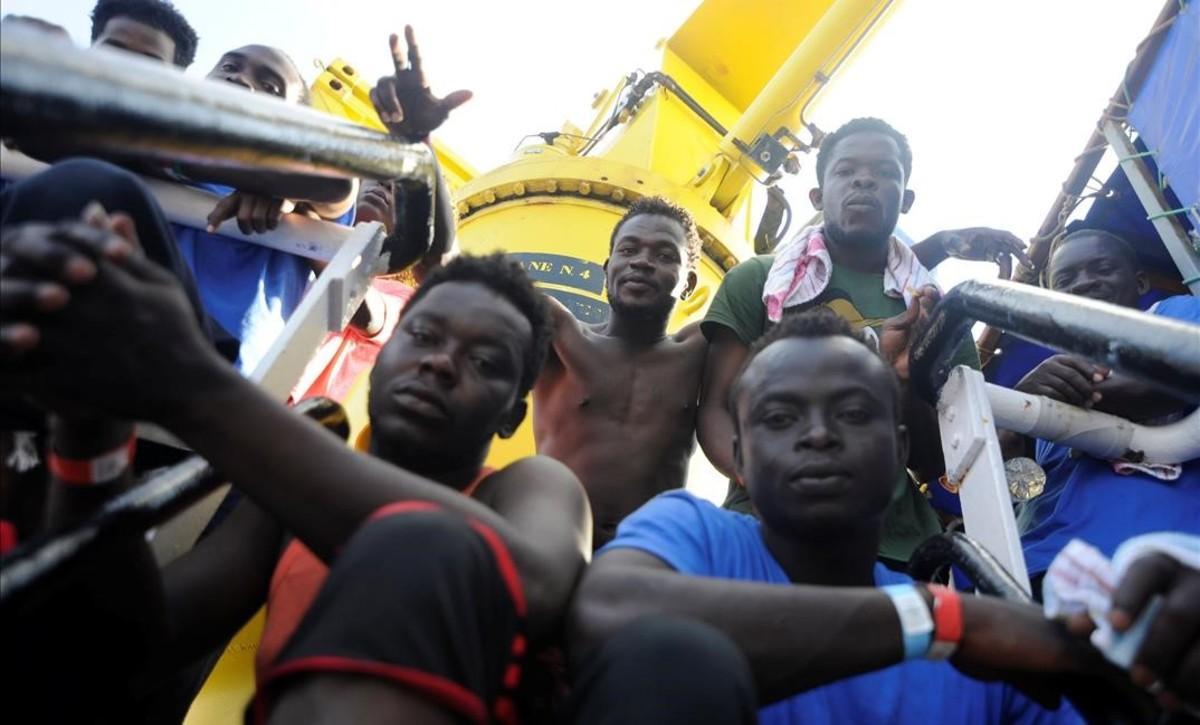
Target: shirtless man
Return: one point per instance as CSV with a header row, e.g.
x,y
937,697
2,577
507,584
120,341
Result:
x,y
617,400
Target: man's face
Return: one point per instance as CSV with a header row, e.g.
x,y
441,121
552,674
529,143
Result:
x,y
819,442
647,269
448,379
134,37
259,69
863,191
1090,266
374,204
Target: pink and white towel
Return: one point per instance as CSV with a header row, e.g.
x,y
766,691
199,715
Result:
x,y
802,269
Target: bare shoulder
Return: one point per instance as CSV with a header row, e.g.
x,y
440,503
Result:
x,y
559,314
689,334
536,474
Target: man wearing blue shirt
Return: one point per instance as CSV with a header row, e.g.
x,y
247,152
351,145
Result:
x,y
1087,498
818,442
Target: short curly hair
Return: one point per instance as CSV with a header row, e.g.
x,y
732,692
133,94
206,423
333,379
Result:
x,y
815,323
661,206
505,277
862,125
158,14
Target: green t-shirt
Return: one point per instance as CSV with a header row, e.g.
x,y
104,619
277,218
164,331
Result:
x,y
858,297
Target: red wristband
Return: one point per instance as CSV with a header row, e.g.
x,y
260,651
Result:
x,y
91,471
947,622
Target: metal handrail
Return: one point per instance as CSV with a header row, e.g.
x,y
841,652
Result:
x,y
1157,350
106,100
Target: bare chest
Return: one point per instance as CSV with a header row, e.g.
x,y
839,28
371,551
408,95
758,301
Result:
x,y
635,388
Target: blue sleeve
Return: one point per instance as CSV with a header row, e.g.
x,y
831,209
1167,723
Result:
x,y
347,219
1181,307
670,526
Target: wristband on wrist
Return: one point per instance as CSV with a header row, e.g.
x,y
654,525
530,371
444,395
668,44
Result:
x,y
916,624
104,468
947,622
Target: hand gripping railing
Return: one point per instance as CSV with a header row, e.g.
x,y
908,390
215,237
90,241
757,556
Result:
x,y
1159,351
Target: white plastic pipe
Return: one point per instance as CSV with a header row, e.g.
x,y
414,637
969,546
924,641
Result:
x,y
1098,434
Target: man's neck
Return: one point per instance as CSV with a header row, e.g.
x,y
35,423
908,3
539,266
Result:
x,y
456,477
844,559
641,329
867,259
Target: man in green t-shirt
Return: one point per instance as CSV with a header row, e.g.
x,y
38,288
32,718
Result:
x,y
862,175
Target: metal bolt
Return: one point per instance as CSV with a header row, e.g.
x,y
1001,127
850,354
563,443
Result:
x,y
618,195
585,188
489,197
519,189
552,186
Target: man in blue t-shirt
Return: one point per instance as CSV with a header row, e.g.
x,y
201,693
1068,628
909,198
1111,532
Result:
x,y
1087,498
818,442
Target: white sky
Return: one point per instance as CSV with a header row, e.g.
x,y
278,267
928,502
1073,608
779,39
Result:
x,y
996,98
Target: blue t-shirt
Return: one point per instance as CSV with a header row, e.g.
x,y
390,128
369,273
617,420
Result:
x,y
1086,499
249,289
696,538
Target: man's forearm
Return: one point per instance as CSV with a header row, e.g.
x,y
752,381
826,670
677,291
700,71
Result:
x,y
794,637
1132,399
714,429
318,488
325,192
931,252
798,637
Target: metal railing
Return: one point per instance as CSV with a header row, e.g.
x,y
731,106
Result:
x,y
107,100
1159,351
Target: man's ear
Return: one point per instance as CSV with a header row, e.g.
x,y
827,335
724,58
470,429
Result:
x,y
816,198
906,204
902,445
512,419
692,280
1143,282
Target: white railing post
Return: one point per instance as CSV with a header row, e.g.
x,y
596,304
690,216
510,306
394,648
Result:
x,y
974,464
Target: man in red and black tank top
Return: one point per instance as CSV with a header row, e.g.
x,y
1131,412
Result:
x,y
433,598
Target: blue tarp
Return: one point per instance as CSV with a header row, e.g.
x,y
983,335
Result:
x,y
1166,115
1166,112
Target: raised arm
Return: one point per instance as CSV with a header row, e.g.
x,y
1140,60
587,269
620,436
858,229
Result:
x,y
976,244
569,344
799,637
714,426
